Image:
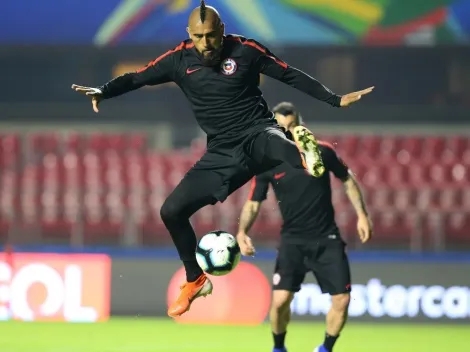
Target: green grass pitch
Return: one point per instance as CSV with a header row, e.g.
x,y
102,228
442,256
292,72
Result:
x,y
155,335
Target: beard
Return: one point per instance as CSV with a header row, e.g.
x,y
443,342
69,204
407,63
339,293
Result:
x,y
213,58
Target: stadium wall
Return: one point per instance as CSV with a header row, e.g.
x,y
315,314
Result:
x,y
88,286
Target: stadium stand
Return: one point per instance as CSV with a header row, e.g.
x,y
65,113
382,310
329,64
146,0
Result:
x,y
108,188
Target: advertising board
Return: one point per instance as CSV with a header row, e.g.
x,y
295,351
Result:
x,y
381,291
55,287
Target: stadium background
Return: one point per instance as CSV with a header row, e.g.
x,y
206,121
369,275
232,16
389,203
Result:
x,y
80,192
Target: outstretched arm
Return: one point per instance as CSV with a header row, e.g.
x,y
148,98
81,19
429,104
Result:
x,y
161,70
267,63
156,72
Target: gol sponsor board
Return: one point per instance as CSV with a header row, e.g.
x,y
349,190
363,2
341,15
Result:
x,y
55,287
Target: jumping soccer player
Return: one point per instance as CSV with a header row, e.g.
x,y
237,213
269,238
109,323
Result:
x,y
220,75
310,239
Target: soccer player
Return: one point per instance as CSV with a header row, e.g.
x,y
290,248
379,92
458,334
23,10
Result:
x,y
310,239
219,75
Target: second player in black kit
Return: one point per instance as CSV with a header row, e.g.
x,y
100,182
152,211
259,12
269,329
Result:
x,y
219,75
310,239
309,230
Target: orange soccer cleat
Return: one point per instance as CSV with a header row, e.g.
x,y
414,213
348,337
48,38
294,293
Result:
x,y
189,292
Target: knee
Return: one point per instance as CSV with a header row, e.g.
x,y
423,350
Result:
x,y
169,211
341,302
281,301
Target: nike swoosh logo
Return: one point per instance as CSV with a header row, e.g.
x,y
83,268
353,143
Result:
x,y
189,71
278,176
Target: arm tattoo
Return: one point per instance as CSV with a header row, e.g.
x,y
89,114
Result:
x,y
355,196
248,216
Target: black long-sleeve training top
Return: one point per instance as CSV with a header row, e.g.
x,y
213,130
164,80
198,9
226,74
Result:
x,y
226,99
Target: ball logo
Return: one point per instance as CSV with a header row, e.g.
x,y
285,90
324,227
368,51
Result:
x,y
228,66
44,287
241,297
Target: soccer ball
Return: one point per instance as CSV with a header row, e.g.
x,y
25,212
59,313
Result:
x,y
218,253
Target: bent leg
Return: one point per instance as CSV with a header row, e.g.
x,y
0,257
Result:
x,y
272,148
195,191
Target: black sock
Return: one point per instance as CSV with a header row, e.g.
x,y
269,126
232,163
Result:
x,y
184,239
279,339
193,270
329,342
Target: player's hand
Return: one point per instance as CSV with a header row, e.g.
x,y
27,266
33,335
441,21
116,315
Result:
x,y
95,94
353,97
245,244
364,228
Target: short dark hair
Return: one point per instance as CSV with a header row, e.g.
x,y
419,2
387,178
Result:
x,y
202,11
285,108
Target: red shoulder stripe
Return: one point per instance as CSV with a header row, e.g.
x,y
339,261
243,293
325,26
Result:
x,y
260,48
182,46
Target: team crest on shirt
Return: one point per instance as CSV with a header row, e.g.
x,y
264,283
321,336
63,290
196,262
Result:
x,y
228,67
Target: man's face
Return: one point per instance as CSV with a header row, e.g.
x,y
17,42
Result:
x,y
288,122
207,38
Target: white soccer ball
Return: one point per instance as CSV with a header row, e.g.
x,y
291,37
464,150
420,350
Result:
x,y
218,253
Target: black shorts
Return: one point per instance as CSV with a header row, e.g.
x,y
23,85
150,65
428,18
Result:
x,y
228,166
327,260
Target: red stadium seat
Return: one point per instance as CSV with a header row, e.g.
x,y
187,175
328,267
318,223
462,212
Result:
x,y
389,148
457,227
411,149
348,146
394,227
374,177
428,199
405,199
74,142
396,175
433,149
382,199
456,146
137,142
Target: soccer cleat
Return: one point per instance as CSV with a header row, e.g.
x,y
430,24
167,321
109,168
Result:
x,y
189,292
320,349
280,349
308,146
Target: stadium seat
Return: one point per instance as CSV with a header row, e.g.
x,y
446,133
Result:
x,y
433,148
457,227
394,227
456,146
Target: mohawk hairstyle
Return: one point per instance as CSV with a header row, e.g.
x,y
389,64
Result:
x,y
202,11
